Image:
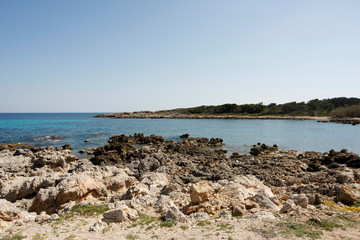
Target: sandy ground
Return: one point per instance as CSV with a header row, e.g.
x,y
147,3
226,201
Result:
x,y
212,229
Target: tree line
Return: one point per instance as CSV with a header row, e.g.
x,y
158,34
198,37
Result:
x,y
326,107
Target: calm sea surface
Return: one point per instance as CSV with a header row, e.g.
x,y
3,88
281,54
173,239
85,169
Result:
x,y
238,135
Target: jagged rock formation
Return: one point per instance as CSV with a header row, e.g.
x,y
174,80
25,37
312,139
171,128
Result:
x,y
178,180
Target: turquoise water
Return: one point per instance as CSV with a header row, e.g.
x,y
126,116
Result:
x,y
238,135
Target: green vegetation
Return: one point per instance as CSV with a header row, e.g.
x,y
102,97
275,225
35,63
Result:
x,y
203,223
17,236
312,228
327,224
313,107
106,229
80,210
348,111
62,218
224,226
72,236
182,227
89,210
132,237
299,230
145,219
167,223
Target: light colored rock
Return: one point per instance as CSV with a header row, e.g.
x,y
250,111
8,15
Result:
x,y
225,214
8,212
53,159
288,206
119,215
98,226
262,215
21,187
345,195
246,187
200,192
200,216
238,209
163,204
175,214
42,217
264,199
267,204
71,188
345,177
120,181
304,166
10,163
76,187
300,200
155,181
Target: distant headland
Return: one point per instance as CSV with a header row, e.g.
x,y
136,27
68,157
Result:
x,y
339,110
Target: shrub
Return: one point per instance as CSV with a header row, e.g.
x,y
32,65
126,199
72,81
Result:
x,y
349,111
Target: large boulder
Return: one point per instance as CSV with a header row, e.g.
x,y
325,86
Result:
x,y
21,187
175,215
154,181
264,199
300,200
52,158
345,177
246,187
345,195
148,164
163,204
71,188
288,206
8,212
200,192
120,181
119,215
13,164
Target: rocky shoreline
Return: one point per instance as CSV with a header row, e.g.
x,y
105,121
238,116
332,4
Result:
x,y
174,115
140,186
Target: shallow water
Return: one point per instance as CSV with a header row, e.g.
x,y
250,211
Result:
x,y
238,135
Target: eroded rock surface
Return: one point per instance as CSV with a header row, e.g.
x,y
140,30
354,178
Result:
x,y
193,178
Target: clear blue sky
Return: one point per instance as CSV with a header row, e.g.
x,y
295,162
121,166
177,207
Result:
x,y
106,56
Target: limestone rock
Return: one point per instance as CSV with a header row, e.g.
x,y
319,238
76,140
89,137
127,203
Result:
x,y
22,187
98,226
200,192
8,212
300,200
238,209
175,214
10,163
345,177
148,164
120,181
345,194
155,181
119,215
163,204
288,206
70,188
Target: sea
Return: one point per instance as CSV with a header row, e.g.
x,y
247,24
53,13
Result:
x,y
238,135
